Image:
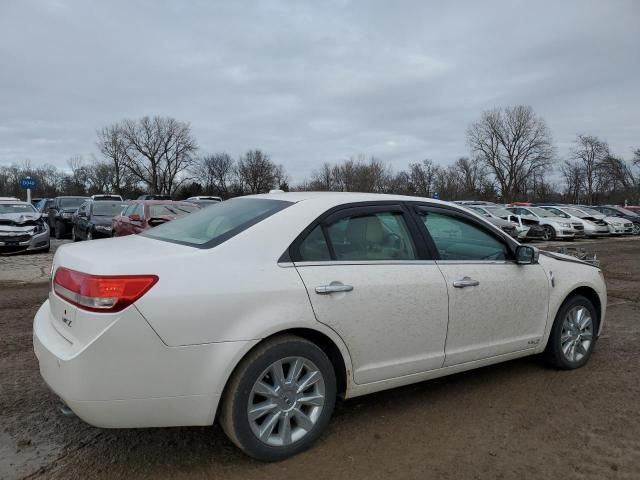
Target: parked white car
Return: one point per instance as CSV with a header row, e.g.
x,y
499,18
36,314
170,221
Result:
x,y
496,213
591,228
260,310
555,227
617,225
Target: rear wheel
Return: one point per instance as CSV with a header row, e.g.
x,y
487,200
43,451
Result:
x,y
573,335
279,399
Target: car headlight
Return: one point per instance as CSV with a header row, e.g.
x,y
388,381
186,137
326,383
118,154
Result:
x,y
66,214
565,225
103,228
40,227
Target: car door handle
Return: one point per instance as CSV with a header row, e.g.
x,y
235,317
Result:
x,y
333,287
466,282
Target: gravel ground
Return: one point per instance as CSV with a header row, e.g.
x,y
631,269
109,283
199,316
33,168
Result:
x,y
514,420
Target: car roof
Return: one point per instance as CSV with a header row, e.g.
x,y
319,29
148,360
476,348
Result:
x,y
338,198
14,202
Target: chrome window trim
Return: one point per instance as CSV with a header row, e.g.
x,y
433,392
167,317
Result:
x,y
476,262
361,262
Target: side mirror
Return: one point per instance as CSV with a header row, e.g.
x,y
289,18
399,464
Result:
x,y
526,255
134,217
157,221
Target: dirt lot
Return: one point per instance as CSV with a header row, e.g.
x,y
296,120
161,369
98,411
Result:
x,y
515,420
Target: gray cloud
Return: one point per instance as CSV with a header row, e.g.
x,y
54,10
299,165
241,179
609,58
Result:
x,y
314,81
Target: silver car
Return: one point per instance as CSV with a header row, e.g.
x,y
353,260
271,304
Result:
x,y
22,228
591,228
555,227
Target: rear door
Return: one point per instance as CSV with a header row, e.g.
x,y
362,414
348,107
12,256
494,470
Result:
x,y
369,279
496,306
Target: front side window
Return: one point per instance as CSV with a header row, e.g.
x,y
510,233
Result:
x,y
458,239
215,224
360,237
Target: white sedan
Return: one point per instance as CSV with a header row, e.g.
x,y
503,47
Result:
x,y
260,311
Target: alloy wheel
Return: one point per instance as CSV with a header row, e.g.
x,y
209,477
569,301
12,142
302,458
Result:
x,y
636,228
286,401
577,333
548,233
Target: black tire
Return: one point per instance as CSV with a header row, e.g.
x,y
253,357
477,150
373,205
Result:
x,y
235,401
59,230
553,353
549,233
89,235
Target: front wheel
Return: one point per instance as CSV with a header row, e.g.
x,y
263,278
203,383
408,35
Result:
x,y
59,231
636,229
279,399
573,335
549,233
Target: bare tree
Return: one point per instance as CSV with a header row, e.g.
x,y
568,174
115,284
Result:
x,y
573,177
256,172
590,152
113,148
217,173
79,175
421,177
513,143
157,151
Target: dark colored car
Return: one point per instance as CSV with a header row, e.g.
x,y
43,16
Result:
x,y
614,211
44,205
141,215
60,215
93,219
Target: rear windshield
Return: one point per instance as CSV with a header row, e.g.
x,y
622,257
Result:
x,y
171,210
107,209
215,224
72,202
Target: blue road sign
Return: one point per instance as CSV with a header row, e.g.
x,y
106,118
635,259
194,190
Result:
x,y
28,182
436,195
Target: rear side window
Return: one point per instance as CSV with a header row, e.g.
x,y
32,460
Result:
x,y
215,224
360,237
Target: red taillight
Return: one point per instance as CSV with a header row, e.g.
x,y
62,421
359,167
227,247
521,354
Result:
x,y
101,293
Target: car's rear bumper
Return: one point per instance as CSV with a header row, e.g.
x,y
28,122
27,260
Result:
x,y
127,377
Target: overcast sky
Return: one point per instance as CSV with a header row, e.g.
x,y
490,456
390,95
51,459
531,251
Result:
x,y
315,81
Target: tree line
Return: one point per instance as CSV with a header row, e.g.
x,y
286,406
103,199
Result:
x,y
511,157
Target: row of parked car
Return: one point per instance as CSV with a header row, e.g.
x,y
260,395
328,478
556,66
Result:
x,y
28,226
526,221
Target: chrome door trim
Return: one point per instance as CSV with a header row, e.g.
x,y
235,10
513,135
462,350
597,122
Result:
x,y
362,262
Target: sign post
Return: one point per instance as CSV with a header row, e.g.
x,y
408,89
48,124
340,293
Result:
x,y
28,183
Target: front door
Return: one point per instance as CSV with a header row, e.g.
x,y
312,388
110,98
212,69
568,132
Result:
x,y
368,279
496,306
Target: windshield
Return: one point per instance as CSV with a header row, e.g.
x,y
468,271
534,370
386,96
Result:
x,y
591,212
7,208
72,202
171,210
574,212
215,224
627,212
499,212
106,209
541,212
557,212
